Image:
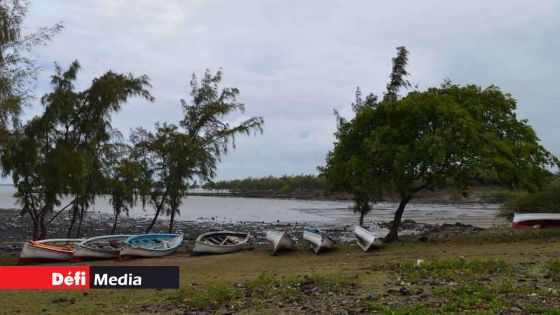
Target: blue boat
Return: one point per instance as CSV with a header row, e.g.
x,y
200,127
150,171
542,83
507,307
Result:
x,y
151,245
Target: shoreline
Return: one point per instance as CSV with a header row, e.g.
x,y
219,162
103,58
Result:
x,y
16,229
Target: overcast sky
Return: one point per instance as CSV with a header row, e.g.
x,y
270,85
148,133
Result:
x,y
295,61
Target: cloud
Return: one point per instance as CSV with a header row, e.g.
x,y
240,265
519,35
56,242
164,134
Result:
x,y
295,61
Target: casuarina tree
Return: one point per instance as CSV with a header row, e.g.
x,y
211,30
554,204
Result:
x,y
175,155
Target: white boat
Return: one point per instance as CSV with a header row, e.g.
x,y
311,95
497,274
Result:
x,y
280,240
53,249
151,245
319,240
221,242
535,220
366,239
108,246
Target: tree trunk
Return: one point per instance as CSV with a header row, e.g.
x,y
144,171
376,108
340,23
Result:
x,y
394,232
36,231
74,214
171,221
115,222
362,215
79,230
154,220
43,221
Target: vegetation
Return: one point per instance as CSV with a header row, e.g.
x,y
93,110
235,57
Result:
x,y
309,184
61,152
545,200
507,277
174,156
451,135
17,69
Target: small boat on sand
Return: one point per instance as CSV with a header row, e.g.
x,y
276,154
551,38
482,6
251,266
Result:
x,y
366,239
53,249
108,246
536,220
219,242
319,240
151,245
280,240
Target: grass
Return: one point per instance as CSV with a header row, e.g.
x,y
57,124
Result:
x,y
445,269
454,276
553,268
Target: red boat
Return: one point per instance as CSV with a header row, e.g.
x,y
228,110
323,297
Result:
x,y
536,220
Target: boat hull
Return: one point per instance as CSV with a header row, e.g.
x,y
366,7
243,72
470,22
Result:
x,y
319,242
85,250
141,252
202,247
281,241
536,220
135,246
30,251
365,239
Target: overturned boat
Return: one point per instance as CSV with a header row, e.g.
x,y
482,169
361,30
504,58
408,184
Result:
x,y
280,240
151,245
108,246
54,249
220,242
536,220
366,239
319,240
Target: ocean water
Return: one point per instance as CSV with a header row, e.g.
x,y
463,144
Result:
x,y
234,209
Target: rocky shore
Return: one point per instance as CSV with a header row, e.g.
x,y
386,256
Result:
x,y
15,228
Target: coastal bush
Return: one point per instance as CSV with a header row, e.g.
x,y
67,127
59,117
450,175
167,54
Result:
x,y
545,200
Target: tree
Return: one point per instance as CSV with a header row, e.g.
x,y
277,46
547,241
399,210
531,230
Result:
x,y
344,168
17,70
123,180
60,152
175,155
447,136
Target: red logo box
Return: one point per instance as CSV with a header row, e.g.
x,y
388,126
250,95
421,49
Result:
x,y
44,277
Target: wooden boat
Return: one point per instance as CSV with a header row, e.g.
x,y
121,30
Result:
x,y
53,249
319,240
366,239
536,220
220,242
151,245
280,240
108,246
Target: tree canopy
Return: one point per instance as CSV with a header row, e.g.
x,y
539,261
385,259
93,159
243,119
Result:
x,y
451,135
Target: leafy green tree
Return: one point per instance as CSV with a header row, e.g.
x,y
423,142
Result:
x,y
447,136
17,70
60,152
345,168
175,155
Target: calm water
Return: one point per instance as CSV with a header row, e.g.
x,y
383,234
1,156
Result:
x,y
233,209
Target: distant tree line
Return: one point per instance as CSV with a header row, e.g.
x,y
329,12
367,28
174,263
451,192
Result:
x,y
270,184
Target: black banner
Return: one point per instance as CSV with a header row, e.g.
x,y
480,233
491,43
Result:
x,y
134,277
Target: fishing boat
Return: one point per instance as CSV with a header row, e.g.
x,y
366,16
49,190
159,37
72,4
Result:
x,y
536,220
53,249
319,240
280,240
108,246
366,239
151,245
220,242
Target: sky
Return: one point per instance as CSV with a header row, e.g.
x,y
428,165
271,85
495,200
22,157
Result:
x,y
295,61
